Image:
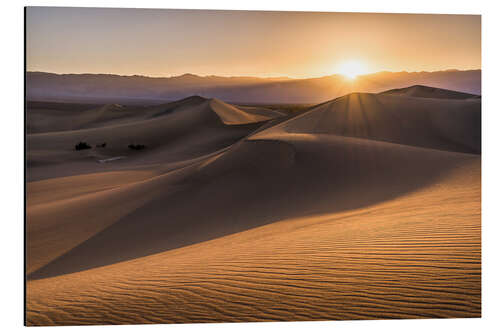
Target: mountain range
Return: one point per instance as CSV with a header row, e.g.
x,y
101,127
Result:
x,y
105,88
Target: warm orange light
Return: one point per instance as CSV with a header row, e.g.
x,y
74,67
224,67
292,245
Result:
x,y
351,69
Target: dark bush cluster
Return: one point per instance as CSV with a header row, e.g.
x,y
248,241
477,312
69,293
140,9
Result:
x,y
82,145
136,147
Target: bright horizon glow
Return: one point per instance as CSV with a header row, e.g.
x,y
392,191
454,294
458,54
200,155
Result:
x,y
352,68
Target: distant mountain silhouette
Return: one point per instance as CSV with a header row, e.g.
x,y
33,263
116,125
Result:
x,y
239,89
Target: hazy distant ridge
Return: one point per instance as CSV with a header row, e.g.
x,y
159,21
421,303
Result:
x,y
96,87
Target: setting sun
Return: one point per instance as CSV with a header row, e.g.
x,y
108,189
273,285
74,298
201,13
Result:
x,y
351,69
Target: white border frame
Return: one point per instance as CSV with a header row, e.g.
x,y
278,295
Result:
x,y
12,235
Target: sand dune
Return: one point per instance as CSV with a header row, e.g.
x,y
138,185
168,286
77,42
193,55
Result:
x,y
271,179
453,125
232,115
172,132
366,206
429,92
417,256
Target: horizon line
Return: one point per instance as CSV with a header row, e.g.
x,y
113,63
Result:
x,y
251,76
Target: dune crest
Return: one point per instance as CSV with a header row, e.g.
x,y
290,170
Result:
x,y
429,92
231,115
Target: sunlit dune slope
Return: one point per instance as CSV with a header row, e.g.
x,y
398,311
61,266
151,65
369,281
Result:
x,y
414,256
232,115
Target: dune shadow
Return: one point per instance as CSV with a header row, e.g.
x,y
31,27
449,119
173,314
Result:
x,y
257,182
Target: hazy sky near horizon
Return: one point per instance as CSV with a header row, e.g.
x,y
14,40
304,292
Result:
x,y
160,42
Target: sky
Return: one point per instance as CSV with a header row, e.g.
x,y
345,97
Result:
x,y
160,42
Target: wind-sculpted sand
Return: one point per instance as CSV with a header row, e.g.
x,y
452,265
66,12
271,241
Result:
x,y
367,206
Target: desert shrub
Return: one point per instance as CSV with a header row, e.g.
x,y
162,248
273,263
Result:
x,y
82,145
136,147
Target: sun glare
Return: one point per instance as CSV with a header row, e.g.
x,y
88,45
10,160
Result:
x,y
351,69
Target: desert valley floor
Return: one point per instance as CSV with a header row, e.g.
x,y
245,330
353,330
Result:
x,y
367,206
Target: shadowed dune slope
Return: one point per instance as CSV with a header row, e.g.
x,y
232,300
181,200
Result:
x,y
255,182
46,117
43,117
49,116
177,131
453,125
54,120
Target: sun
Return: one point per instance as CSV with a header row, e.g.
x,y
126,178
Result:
x,y
351,69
